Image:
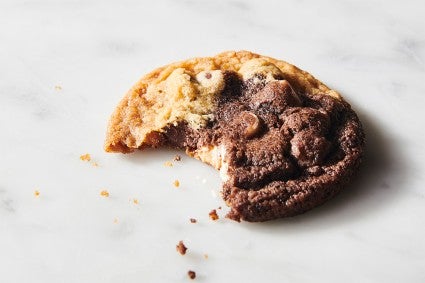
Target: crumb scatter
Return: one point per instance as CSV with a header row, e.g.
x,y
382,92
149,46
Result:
x,y
135,201
104,193
87,157
36,193
168,164
193,220
176,183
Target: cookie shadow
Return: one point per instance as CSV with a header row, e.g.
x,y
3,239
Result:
x,y
372,190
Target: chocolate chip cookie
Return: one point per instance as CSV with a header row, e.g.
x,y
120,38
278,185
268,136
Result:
x,y
282,140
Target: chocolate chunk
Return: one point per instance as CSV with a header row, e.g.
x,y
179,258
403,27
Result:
x,y
260,161
302,118
240,124
308,148
275,97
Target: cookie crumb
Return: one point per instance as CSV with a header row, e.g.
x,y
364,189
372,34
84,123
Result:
x,y
213,215
115,220
181,248
58,87
36,193
94,164
135,201
193,220
104,193
177,158
168,164
176,183
206,256
85,157
191,274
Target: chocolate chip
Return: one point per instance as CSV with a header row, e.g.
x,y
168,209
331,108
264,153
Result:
x,y
208,75
252,124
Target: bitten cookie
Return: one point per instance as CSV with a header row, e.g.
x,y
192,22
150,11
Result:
x,y
282,140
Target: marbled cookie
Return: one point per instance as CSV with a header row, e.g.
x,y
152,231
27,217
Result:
x,y
283,141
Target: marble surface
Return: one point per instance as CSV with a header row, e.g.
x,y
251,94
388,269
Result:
x,y
64,65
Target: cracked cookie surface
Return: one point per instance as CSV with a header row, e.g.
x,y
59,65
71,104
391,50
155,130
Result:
x,y
283,142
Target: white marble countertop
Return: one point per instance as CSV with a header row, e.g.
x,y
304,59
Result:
x,y
64,65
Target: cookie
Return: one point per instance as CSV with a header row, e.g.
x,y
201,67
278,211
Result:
x,y
282,140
